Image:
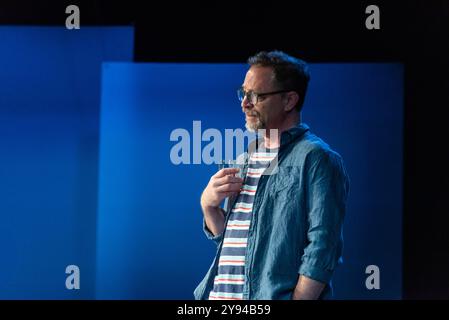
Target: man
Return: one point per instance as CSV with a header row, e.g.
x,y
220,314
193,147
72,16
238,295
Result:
x,y
280,234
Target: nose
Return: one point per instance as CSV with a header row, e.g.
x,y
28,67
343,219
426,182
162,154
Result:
x,y
246,104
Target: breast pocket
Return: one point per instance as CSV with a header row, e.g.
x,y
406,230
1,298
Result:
x,y
285,183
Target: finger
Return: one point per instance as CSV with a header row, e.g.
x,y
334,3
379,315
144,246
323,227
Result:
x,y
229,194
226,171
227,179
231,187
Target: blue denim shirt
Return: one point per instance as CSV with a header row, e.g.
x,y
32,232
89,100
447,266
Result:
x,y
297,223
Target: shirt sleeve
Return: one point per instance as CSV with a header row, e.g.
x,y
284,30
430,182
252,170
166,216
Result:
x,y
215,238
327,187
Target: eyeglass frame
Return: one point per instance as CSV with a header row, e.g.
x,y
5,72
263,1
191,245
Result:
x,y
257,95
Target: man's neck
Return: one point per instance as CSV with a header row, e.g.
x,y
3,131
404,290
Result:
x,y
273,139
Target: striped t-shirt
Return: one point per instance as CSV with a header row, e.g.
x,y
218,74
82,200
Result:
x,y
228,283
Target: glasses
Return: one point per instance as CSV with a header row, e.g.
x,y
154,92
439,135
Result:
x,y
253,97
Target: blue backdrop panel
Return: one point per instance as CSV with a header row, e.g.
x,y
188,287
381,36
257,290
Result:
x,y
49,114
358,109
150,243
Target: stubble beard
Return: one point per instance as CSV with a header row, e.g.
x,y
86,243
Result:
x,y
253,126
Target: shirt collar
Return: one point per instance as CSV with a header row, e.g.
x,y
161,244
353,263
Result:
x,y
293,133
286,136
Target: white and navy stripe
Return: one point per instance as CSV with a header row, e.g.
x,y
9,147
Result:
x,y
229,281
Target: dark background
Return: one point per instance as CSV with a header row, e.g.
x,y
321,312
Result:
x,y
415,33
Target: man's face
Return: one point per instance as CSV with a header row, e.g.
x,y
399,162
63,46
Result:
x,y
268,112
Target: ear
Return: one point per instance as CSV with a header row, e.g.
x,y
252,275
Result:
x,y
291,99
